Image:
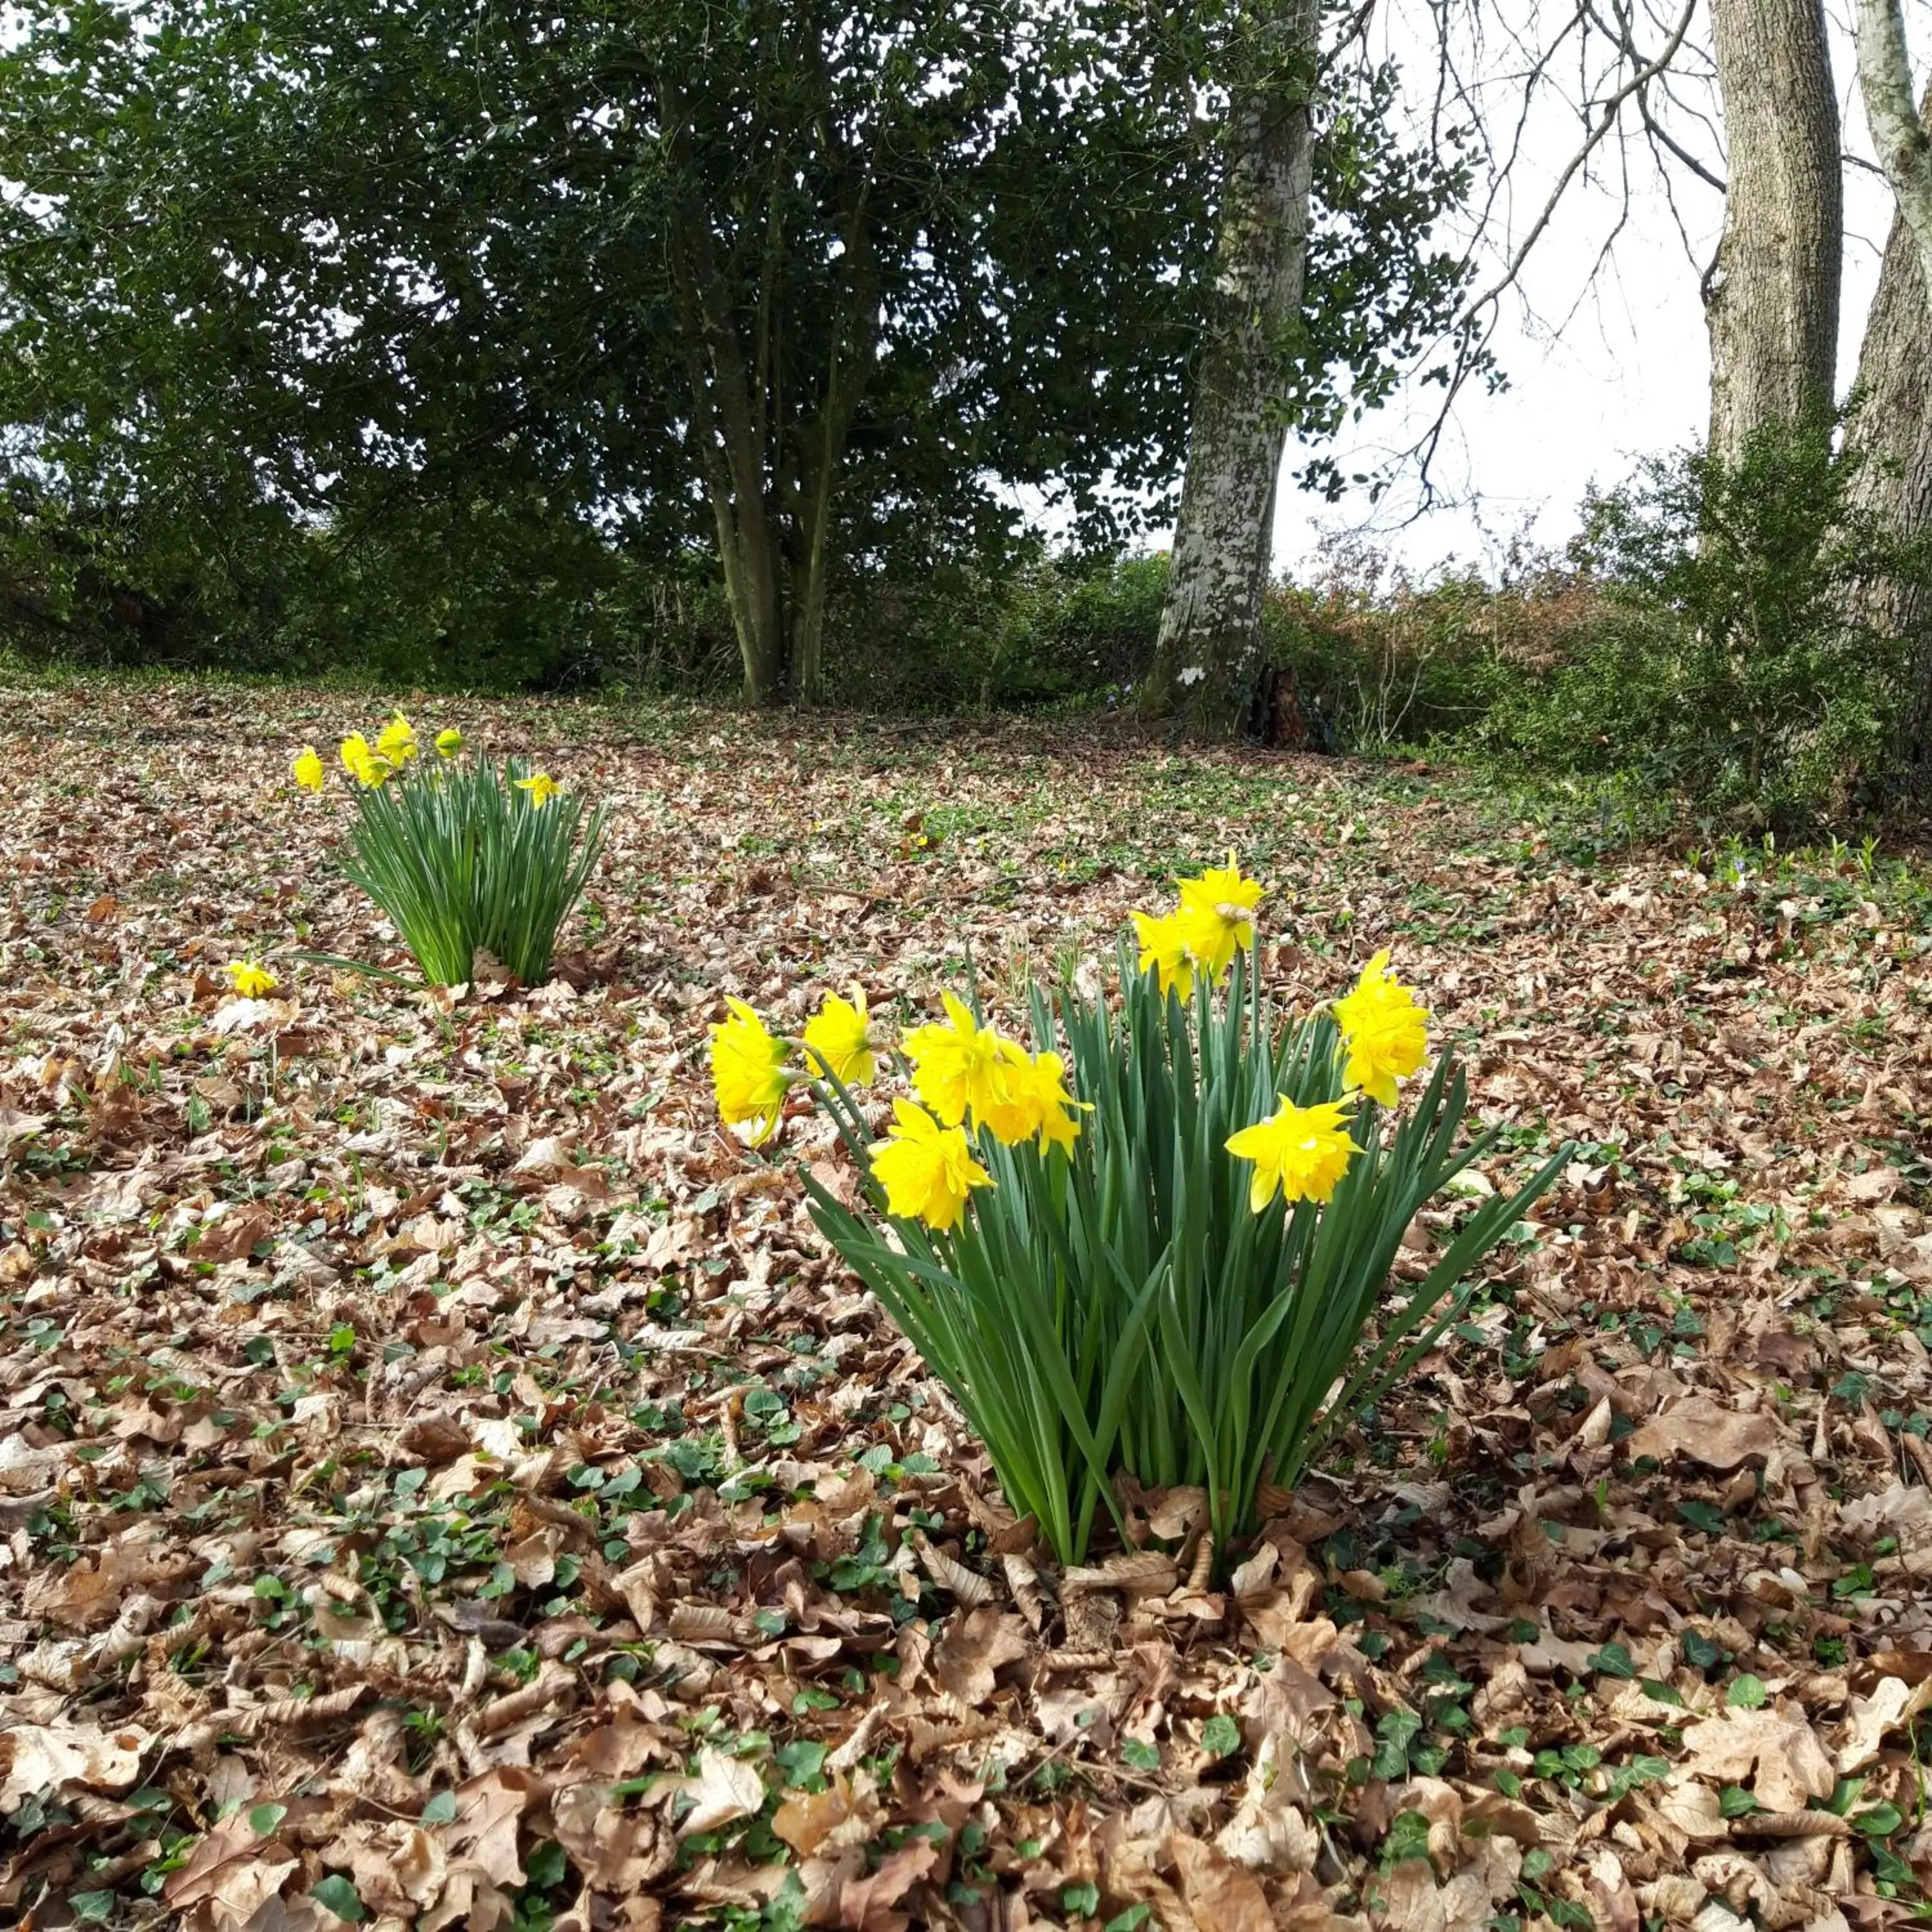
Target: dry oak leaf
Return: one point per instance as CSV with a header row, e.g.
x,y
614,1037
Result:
x,y
234,1236
1455,1603
88,1593
614,1850
1409,1900
489,1809
866,1904
1287,1702
1892,1704
1792,1766
1221,1897
395,1866
1707,1432
819,1823
974,1650
1676,1899
469,1900
1270,1832
1875,1184
1612,1904
1902,1510
1140,1573
725,1789
300,1914
1692,1813
37,1758
231,1872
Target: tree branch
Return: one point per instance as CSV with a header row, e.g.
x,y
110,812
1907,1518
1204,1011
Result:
x,y
1904,149
1606,119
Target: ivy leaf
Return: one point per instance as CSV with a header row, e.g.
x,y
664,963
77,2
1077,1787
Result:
x,y
335,1893
1706,1517
1699,1652
1396,1732
1220,1736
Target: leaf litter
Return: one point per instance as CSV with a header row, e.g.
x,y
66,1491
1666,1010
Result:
x,y
445,1482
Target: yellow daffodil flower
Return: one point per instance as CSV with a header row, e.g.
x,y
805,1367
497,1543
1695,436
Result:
x,y
251,981
1386,1030
927,1171
361,763
962,1068
838,1039
307,769
748,1071
1167,947
1059,1111
1302,1151
540,789
1215,913
449,743
397,742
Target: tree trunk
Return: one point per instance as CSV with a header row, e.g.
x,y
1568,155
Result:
x,y
1897,130
729,436
1207,659
1890,429
1771,299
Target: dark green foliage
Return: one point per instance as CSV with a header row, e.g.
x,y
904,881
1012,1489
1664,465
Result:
x,y
414,336
1727,666
1378,661
1046,630
493,593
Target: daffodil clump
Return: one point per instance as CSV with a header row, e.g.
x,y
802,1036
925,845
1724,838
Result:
x,y
462,854
1156,1239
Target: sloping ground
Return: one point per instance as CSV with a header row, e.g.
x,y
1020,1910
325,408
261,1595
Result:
x,y
443,1482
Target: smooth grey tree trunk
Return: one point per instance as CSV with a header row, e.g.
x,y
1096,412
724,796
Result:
x,y
1890,427
1772,301
1207,660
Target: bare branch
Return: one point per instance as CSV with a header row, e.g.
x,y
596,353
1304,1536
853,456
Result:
x,y
1607,117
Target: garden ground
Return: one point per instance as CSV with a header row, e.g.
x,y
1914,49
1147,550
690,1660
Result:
x,y
443,1482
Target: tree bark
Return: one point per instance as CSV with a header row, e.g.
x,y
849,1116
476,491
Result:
x,y
1208,655
1890,430
1771,299
1904,147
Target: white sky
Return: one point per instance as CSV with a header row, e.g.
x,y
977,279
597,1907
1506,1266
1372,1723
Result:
x,y
1627,376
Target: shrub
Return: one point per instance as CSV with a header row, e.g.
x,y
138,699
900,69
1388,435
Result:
x,y
1158,1244
463,855
1378,660
999,631
1729,667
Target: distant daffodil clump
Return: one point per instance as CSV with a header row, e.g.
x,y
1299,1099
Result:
x,y
463,855
1155,1238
